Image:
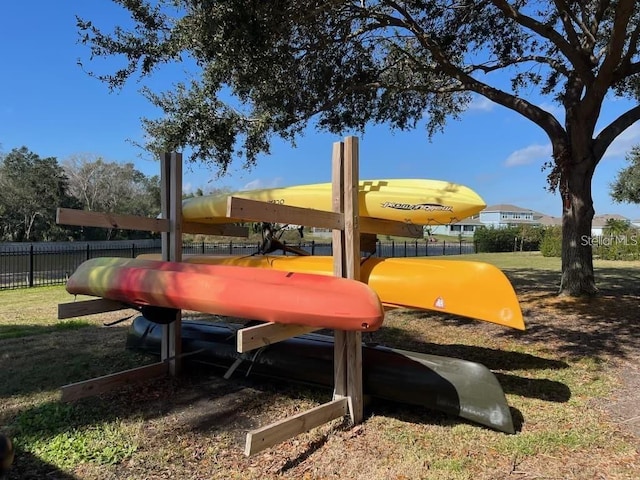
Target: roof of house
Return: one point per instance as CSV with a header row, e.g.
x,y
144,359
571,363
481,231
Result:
x,y
548,220
469,221
505,207
601,220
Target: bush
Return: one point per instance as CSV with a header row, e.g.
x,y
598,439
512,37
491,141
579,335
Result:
x,y
551,243
495,239
509,239
625,246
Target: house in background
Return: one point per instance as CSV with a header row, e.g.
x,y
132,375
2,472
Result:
x,y
494,216
600,222
506,215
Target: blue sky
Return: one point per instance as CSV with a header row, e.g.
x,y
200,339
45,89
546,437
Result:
x,y
49,105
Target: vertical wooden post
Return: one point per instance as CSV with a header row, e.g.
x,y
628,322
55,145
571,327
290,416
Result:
x,y
339,268
171,185
348,345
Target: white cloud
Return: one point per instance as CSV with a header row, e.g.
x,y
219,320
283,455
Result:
x,y
481,103
262,183
527,155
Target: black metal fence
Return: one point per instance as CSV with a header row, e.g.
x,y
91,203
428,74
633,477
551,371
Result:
x,y
39,264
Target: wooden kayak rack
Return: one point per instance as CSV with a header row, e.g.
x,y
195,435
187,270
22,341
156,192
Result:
x,y
347,228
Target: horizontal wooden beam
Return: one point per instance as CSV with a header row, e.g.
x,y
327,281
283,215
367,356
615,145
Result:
x,y
88,307
265,437
99,385
215,229
255,211
258,336
69,216
390,227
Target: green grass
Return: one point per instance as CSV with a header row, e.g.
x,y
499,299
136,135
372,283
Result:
x,y
16,331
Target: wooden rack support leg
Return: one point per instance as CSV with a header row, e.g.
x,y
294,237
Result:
x,y
348,345
346,248
171,184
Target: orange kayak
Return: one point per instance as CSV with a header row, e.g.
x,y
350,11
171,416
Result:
x,y
250,293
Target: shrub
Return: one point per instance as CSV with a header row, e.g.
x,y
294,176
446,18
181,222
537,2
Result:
x,y
508,239
551,243
495,239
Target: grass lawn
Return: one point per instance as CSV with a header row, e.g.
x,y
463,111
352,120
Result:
x,y
569,380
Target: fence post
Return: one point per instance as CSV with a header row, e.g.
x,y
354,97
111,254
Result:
x,y
203,247
416,250
133,250
460,247
444,247
313,247
284,250
88,255
31,266
393,248
405,248
230,247
426,247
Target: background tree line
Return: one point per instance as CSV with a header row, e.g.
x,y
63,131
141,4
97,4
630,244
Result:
x,y
32,187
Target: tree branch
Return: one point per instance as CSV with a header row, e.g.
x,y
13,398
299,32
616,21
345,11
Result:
x,y
546,31
606,72
556,65
566,15
606,137
540,117
625,64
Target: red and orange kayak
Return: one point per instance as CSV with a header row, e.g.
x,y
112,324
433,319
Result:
x,y
250,293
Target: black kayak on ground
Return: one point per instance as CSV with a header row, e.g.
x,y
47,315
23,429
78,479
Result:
x,y
457,387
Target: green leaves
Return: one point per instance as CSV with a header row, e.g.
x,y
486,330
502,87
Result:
x,y
626,187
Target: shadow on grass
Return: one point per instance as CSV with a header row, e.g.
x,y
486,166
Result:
x,y
494,359
604,325
27,466
48,359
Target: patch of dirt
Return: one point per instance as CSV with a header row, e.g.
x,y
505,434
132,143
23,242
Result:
x,y
624,404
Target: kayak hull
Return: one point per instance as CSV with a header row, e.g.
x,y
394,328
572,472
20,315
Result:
x,y
423,202
265,295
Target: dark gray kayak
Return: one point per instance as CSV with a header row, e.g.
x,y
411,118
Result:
x,y
457,387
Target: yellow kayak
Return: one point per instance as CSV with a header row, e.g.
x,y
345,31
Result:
x,y
422,202
471,289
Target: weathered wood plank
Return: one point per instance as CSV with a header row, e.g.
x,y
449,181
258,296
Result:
x,y
106,383
258,336
70,216
256,211
337,201
88,307
265,437
353,340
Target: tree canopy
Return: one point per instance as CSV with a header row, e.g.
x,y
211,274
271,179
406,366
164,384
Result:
x,y
31,188
626,187
269,68
112,187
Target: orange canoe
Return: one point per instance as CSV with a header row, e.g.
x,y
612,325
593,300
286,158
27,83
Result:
x,y
251,293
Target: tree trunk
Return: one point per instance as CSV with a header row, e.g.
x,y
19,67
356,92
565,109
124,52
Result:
x,y
577,216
